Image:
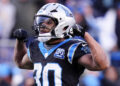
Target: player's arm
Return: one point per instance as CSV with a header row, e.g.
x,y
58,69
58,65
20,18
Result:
x,y
20,50
97,60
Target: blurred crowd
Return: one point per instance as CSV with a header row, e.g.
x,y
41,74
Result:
x,y
101,18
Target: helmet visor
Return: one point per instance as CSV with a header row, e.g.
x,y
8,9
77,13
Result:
x,y
44,24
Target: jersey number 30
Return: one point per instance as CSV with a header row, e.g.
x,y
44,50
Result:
x,y
42,72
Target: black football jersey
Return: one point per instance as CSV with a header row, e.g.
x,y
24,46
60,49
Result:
x,y
57,66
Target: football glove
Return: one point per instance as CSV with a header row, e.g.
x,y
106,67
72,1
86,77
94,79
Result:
x,y
20,34
77,30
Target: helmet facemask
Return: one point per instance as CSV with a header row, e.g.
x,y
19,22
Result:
x,y
44,26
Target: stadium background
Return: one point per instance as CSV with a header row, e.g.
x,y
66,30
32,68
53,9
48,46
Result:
x,y
101,18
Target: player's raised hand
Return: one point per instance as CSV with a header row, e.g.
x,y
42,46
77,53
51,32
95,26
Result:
x,y
20,34
77,30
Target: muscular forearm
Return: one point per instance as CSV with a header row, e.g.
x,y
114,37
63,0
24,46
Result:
x,y
19,52
100,60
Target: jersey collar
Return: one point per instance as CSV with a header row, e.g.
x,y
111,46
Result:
x,y
46,52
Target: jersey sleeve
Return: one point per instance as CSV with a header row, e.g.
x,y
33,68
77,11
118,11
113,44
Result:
x,y
28,43
82,50
77,50
28,53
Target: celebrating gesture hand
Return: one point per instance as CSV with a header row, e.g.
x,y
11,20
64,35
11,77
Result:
x,y
77,30
20,34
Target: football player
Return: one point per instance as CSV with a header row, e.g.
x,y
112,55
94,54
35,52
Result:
x,y
56,58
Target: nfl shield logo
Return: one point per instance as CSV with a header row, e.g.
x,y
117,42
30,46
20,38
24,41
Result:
x,y
59,53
